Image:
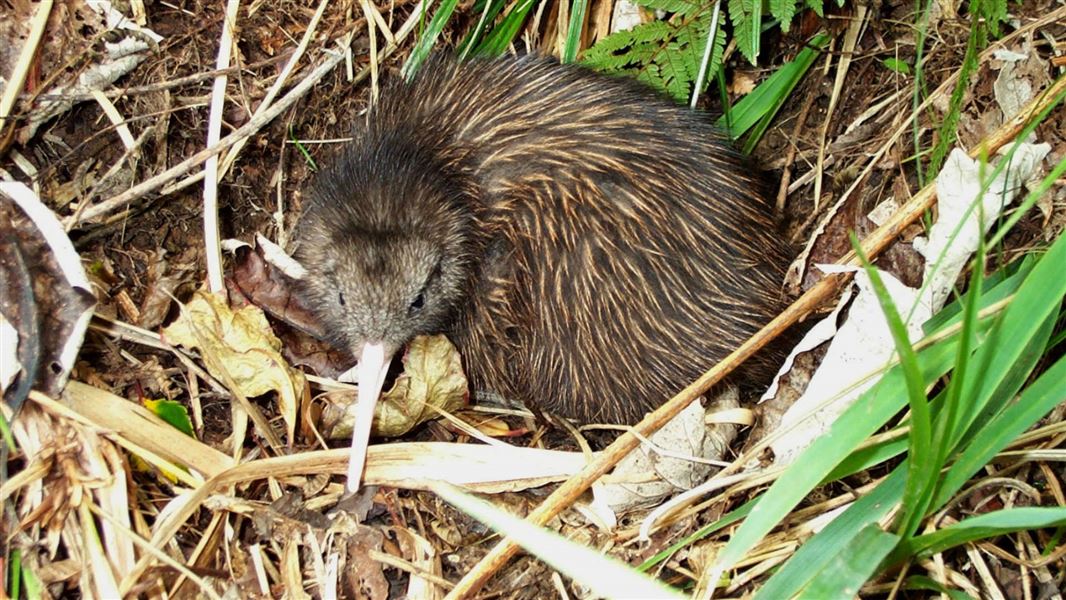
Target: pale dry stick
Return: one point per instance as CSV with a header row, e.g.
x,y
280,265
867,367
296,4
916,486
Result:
x,y
382,25
769,475
279,83
562,27
25,59
796,270
212,237
790,157
163,557
872,246
856,24
121,127
255,551
371,31
877,110
1016,558
282,466
281,237
247,130
111,172
206,543
137,430
164,85
408,567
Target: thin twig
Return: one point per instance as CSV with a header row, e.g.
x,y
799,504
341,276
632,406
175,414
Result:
x,y
279,83
851,37
166,85
247,130
212,241
22,67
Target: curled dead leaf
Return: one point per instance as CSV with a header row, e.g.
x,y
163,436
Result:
x,y
242,343
432,381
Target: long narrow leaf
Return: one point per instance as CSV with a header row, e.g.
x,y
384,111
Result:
x,y
919,582
817,552
604,576
981,527
498,40
725,521
768,97
573,32
1047,392
1001,284
1017,342
923,460
425,43
853,563
868,414
948,426
487,13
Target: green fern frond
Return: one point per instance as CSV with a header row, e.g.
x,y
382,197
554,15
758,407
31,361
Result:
x,y
784,11
742,15
663,54
816,6
994,13
630,48
680,7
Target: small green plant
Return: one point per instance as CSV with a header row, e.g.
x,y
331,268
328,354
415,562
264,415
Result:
x,y
897,65
995,390
986,17
667,53
664,54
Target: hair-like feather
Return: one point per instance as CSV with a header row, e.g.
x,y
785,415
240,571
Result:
x,y
589,246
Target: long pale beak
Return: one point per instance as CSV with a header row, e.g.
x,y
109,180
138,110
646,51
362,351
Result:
x,y
373,365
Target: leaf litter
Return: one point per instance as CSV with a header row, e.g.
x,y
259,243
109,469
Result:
x,y
254,350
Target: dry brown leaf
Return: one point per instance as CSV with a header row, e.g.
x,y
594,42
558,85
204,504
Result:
x,y
743,84
245,346
432,381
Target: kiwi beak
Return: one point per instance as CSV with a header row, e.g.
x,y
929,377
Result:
x,y
373,365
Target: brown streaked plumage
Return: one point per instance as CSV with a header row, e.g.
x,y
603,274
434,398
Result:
x,y
590,247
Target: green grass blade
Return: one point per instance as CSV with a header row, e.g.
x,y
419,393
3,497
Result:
x,y
980,527
1000,284
770,95
487,13
726,520
1017,340
948,428
868,414
14,582
1040,398
425,43
852,564
605,576
947,133
815,554
1050,180
573,32
923,458
925,584
501,37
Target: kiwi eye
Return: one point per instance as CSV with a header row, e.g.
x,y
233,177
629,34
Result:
x,y
418,302
340,298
